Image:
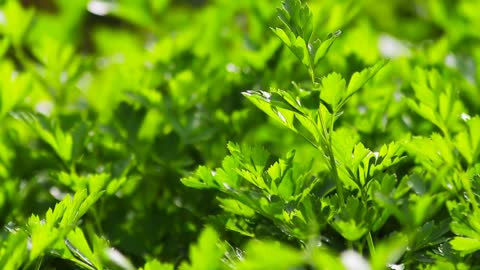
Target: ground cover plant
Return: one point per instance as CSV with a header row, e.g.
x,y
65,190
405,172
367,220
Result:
x,y
255,134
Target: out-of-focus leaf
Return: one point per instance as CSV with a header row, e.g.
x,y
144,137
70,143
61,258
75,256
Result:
x,y
156,265
207,253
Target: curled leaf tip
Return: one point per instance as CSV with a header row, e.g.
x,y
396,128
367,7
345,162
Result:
x,y
336,33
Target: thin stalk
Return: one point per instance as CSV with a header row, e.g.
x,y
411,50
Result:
x,y
371,246
311,70
39,263
333,162
333,165
97,218
312,75
328,141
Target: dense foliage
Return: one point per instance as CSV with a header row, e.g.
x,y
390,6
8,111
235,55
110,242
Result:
x,y
253,134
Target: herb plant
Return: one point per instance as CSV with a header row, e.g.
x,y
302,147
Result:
x,y
252,134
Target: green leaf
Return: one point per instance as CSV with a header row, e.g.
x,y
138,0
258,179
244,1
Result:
x,y
465,245
296,44
79,135
389,251
297,18
19,21
270,255
79,247
58,222
254,159
430,234
350,230
351,221
202,178
466,225
359,79
297,32
4,45
436,100
343,142
425,206
50,132
333,90
433,153
320,48
284,108
236,207
156,265
468,142
324,259
14,251
13,88
207,253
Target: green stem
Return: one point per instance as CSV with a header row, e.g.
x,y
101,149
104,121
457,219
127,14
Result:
x,y
371,247
311,69
312,76
328,141
332,160
333,165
